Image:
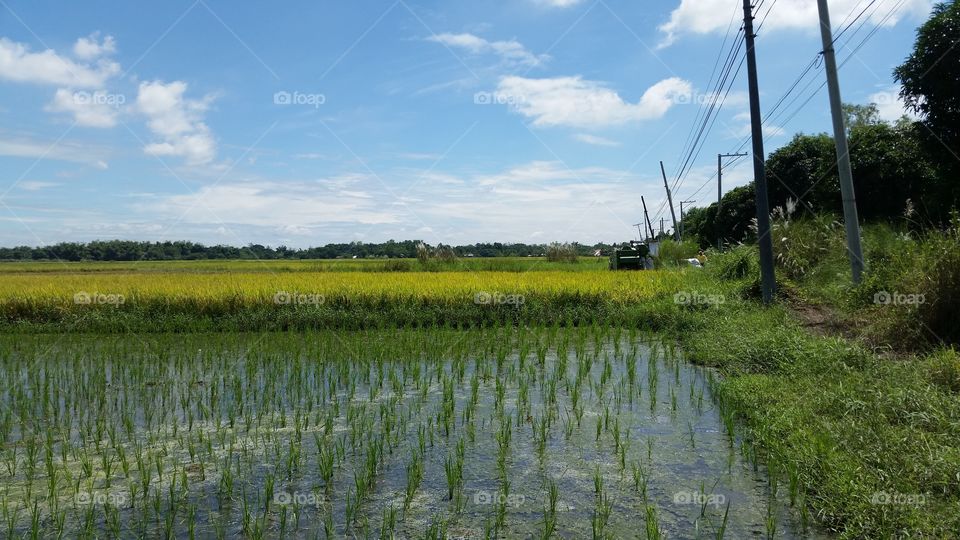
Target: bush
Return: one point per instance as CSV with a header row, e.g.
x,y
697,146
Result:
x,y
925,270
397,265
557,252
740,262
945,369
935,278
799,245
675,253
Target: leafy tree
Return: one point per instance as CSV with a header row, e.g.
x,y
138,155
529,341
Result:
x,y
931,74
856,116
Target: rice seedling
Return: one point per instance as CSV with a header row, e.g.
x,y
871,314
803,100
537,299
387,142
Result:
x,y
331,434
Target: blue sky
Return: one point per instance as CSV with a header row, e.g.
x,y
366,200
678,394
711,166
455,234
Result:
x,y
303,123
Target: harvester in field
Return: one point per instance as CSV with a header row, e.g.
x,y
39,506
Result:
x,y
633,255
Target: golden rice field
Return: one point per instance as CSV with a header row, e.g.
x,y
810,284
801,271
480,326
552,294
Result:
x,y
83,297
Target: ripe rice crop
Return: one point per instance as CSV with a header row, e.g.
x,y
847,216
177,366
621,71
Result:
x,y
280,300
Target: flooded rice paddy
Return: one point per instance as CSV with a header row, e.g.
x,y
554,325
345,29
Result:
x,y
509,433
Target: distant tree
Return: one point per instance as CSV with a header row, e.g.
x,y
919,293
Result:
x,y
856,116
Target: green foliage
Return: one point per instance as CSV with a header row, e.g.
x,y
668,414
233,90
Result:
x,y
844,425
856,116
804,170
731,225
738,263
125,250
945,369
926,271
566,253
803,244
931,74
673,253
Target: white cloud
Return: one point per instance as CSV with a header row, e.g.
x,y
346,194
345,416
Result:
x,y
711,16
558,3
595,140
59,151
512,52
520,203
177,121
19,64
889,104
573,101
34,185
295,205
89,109
90,47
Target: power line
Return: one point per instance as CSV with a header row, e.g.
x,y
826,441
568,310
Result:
x,y
775,113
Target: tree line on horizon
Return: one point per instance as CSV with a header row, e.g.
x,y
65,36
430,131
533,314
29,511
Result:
x,y
131,250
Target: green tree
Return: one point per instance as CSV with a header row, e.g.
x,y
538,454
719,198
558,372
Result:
x,y
856,116
931,74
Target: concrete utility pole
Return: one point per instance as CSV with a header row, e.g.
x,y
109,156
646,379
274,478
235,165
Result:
x,y
768,282
661,227
681,216
673,215
720,188
850,218
720,177
647,217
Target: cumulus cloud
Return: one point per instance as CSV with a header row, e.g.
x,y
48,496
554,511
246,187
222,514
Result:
x,y
889,105
512,51
576,102
710,16
89,109
19,64
92,47
177,121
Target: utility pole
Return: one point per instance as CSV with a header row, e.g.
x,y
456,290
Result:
x,y
661,227
720,177
768,280
673,215
681,216
639,230
850,218
720,189
647,217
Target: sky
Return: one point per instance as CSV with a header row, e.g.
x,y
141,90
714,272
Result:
x,y
304,123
